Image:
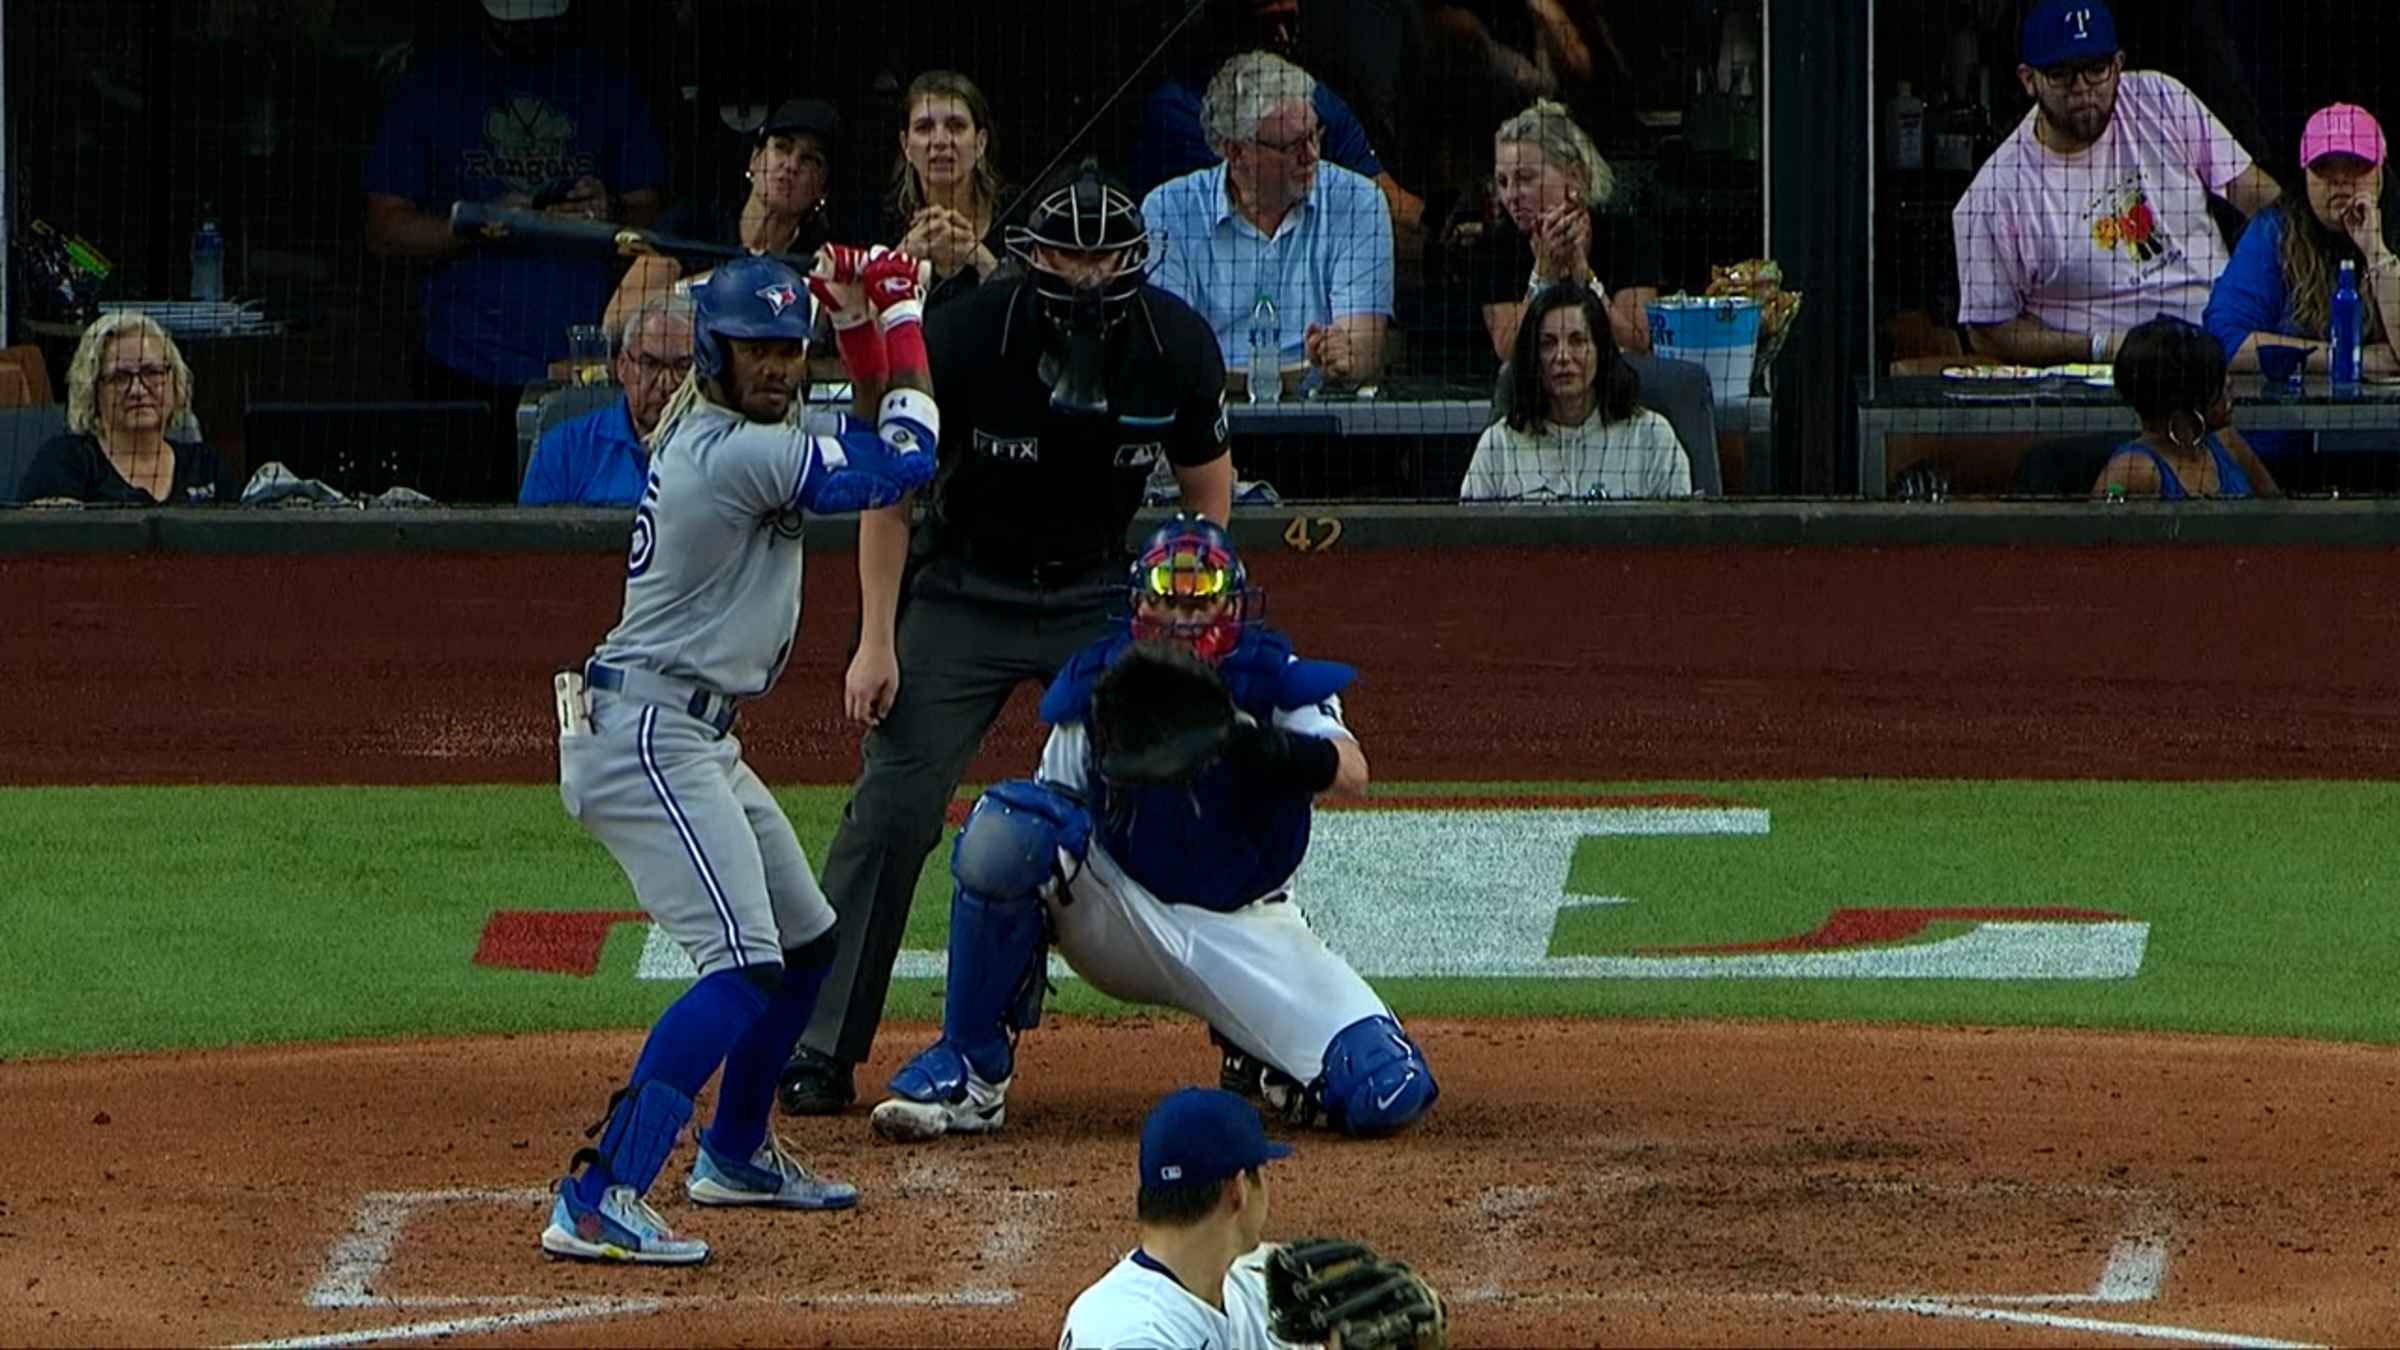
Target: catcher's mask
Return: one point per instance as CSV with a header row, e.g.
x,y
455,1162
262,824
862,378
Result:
x,y
1092,219
1189,586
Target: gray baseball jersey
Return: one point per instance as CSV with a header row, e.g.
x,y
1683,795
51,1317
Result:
x,y
712,601
712,582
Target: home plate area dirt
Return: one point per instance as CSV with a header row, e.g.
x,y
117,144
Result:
x,y
1580,1183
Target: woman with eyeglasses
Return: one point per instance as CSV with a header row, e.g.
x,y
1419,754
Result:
x,y
127,388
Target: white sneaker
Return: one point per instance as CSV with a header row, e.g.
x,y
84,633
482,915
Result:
x,y
977,1107
622,1227
771,1177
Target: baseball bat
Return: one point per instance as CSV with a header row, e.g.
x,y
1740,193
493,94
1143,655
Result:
x,y
478,220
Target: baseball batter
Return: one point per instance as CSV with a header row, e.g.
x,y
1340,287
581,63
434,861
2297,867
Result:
x,y
647,759
1176,893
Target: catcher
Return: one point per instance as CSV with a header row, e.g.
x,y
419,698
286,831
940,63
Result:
x,y
1200,1276
1158,847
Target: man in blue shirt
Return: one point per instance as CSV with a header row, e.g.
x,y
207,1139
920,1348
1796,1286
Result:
x,y
1272,219
1170,141
603,458
518,118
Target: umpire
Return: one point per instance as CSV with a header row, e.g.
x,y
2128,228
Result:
x,y
1058,395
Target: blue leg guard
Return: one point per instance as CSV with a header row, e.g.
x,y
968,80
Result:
x,y
649,1113
998,931
1376,1080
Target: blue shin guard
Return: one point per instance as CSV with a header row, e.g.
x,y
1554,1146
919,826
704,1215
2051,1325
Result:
x,y
649,1113
1005,856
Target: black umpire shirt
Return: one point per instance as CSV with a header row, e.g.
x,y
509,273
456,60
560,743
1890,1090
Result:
x,y
1023,485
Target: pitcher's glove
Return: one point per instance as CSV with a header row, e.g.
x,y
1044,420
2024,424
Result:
x,y
1318,1287
1159,716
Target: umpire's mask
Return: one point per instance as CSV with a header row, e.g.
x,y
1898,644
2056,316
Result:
x,y
1087,251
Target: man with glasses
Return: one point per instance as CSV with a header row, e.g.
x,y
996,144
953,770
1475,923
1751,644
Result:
x,y
1273,220
2092,216
603,458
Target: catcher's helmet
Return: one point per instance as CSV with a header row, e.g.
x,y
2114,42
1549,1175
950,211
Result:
x,y
747,298
1089,213
1189,564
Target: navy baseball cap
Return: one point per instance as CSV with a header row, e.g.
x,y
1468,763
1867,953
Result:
x,y
1200,1135
2061,32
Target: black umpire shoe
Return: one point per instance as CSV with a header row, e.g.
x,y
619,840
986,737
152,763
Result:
x,y
816,1085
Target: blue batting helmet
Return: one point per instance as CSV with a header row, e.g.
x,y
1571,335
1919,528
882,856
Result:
x,y
748,298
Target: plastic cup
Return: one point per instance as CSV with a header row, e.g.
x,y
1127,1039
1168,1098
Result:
x,y
2281,364
587,353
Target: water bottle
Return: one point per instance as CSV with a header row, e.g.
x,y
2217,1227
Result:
x,y
2347,330
1266,352
208,261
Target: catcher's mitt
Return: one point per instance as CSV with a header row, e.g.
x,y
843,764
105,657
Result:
x,y
1159,716
1317,1287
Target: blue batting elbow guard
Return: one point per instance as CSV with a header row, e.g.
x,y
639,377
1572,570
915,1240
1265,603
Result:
x,y
862,470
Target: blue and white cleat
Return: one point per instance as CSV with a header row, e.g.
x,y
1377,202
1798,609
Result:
x,y
622,1227
771,1177
940,1093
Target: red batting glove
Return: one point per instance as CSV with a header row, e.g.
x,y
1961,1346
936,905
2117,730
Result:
x,y
895,286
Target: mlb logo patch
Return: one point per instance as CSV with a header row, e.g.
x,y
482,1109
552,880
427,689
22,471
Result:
x,y
779,297
1170,1173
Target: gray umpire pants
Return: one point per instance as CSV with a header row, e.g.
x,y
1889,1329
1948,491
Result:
x,y
967,638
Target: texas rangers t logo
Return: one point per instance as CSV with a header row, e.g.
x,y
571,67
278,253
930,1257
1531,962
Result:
x,y
779,297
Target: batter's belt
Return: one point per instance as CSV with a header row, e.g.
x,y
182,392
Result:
x,y
660,692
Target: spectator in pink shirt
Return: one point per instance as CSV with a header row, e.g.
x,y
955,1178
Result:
x,y
2092,217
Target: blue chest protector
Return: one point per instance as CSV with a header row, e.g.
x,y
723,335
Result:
x,y
1221,842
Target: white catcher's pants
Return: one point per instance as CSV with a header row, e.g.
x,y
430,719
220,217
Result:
x,y
1259,974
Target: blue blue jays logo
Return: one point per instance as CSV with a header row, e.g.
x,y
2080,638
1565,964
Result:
x,y
779,297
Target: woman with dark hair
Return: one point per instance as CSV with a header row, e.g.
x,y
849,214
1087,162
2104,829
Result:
x,y
946,190
2173,373
2278,287
1574,430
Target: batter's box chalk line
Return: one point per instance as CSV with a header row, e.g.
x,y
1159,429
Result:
x,y
359,1258
2133,1273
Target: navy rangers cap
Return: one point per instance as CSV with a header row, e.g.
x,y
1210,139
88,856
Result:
x,y
812,115
1199,1135
2061,32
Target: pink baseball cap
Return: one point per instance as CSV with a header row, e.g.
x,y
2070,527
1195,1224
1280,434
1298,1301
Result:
x,y
2342,129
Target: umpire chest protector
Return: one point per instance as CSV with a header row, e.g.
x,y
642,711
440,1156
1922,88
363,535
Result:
x,y
1022,482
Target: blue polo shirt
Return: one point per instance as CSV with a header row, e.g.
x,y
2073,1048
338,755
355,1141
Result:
x,y
595,460
1331,257
1171,142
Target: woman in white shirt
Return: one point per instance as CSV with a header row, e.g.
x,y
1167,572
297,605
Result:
x,y
1573,431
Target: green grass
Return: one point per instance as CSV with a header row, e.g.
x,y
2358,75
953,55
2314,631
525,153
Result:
x,y
141,918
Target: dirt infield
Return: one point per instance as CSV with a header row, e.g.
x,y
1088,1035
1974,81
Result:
x,y
1587,1182
1580,1183
2105,663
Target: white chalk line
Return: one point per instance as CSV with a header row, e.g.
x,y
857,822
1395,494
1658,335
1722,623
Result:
x,y
2134,1271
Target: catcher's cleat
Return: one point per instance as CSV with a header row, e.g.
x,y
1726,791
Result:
x,y
622,1227
1284,1097
771,1177
940,1093
816,1085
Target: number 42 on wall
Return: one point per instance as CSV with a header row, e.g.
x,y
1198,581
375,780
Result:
x,y
1313,535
